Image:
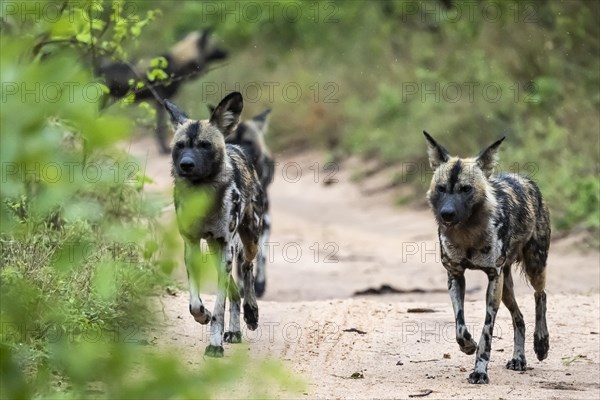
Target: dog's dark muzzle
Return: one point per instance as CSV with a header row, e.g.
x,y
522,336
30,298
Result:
x,y
448,215
194,166
187,164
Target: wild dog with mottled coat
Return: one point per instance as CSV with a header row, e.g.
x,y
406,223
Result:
x,y
203,164
489,222
250,136
186,60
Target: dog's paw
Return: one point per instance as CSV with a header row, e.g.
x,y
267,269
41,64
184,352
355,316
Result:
x,y
478,378
541,345
467,346
213,351
232,337
259,288
251,316
200,314
517,364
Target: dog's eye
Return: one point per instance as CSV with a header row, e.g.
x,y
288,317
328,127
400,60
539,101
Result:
x,y
204,145
466,189
441,188
179,145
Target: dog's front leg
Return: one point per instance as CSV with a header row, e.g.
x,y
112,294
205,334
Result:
x,y
193,266
493,297
234,335
456,287
217,324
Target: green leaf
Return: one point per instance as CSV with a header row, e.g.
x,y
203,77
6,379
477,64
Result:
x,y
85,37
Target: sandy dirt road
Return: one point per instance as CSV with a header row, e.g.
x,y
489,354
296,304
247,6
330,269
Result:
x,y
330,241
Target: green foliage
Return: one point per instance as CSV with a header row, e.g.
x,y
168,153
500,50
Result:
x,y
157,72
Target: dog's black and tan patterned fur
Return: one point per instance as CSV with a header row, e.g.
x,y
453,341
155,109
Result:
x,y
490,222
203,164
250,136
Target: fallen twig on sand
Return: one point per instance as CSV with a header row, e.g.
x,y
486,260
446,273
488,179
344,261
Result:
x,y
424,393
355,331
570,360
422,361
420,310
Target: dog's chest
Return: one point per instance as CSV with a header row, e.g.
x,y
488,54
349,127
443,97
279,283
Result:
x,y
219,222
482,256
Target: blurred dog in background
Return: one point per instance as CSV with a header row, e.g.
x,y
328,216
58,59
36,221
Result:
x,y
250,136
188,59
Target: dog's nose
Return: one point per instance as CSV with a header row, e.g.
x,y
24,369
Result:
x,y
448,214
187,164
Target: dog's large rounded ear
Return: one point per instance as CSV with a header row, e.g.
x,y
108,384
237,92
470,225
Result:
x,y
177,116
437,153
262,120
488,158
205,37
227,114
208,47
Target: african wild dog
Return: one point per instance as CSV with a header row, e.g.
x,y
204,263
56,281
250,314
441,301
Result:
x,y
250,135
186,60
203,164
489,222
